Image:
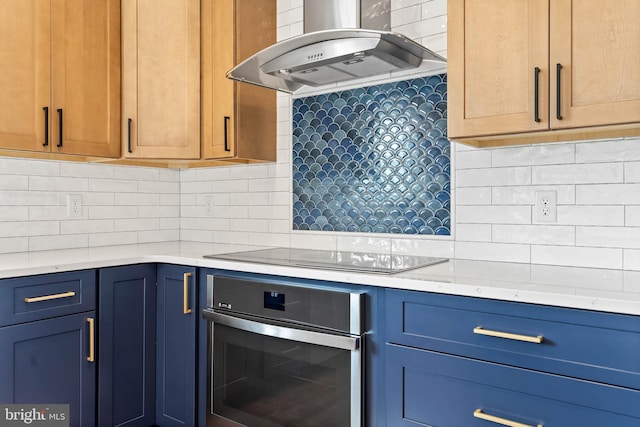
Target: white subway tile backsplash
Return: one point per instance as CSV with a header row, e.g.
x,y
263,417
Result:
x,y
360,243
112,212
502,252
13,244
493,177
493,214
113,185
473,159
10,166
86,226
431,9
117,238
632,172
54,183
85,170
406,15
14,182
534,234
325,242
590,215
473,232
13,213
66,241
29,198
136,199
473,196
608,151
609,237
254,198
631,216
607,194
252,225
541,154
577,256
631,260
156,236
443,248
521,195
29,228
135,224
578,174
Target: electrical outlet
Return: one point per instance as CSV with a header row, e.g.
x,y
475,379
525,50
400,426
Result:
x,y
208,205
546,207
74,205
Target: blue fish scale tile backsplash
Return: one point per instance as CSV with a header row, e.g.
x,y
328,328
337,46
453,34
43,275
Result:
x,y
373,159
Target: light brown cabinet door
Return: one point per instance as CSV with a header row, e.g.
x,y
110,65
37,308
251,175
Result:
x,y
494,49
161,79
597,45
85,77
25,73
239,119
219,93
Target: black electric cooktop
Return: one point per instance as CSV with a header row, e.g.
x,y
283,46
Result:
x,y
332,260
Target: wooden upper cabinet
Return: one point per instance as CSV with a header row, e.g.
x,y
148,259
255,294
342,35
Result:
x,y
161,79
509,61
25,46
60,55
238,119
495,49
597,45
85,75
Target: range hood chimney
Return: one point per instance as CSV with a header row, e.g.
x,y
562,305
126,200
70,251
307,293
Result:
x,y
344,40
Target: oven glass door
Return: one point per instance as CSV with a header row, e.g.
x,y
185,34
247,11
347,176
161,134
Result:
x,y
263,381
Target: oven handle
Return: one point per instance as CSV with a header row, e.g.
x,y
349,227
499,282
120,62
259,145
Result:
x,y
293,334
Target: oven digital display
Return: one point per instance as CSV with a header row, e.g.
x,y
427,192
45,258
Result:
x,y
274,300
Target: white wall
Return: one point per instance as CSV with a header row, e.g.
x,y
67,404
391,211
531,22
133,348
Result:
x,y
120,205
598,187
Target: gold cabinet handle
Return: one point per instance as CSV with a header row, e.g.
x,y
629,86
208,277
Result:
x,y
92,339
502,421
527,338
50,297
186,308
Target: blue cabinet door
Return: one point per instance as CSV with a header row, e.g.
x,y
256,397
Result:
x,y
45,362
127,332
177,319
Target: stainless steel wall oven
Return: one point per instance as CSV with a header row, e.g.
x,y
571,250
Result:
x,y
282,355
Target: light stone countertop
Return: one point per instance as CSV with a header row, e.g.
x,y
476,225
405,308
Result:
x,y
616,291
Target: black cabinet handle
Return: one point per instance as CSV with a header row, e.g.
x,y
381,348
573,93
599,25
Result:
x,y
558,111
46,126
536,87
226,133
60,130
129,136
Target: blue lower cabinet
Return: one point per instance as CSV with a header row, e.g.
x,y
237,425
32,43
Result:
x,y
127,331
50,362
177,321
426,388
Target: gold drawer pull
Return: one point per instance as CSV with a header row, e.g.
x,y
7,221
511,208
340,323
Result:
x,y
92,339
503,421
186,308
507,335
50,297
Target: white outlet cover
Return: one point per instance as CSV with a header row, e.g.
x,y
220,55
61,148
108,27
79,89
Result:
x,y
208,206
545,208
74,205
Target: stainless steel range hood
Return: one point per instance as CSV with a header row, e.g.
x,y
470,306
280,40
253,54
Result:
x,y
344,40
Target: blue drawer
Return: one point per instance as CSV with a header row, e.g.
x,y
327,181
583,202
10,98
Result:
x,y
432,389
26,299
596,346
